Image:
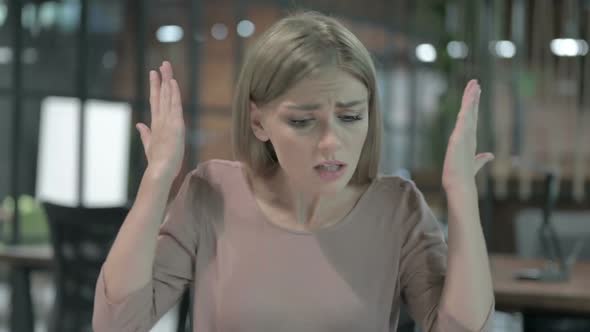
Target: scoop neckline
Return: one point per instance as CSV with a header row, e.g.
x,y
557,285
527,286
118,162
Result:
x,y
345,220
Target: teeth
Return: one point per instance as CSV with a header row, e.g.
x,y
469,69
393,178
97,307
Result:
x,y
330,168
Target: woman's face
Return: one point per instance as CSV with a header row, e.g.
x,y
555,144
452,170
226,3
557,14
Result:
x,y
323,118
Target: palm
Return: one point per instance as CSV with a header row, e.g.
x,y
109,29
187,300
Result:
x,y
164,141
461,162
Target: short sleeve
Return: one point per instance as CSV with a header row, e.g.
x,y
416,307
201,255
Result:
x,y
423,265
172,271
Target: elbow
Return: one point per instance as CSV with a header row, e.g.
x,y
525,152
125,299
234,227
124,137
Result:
x,y
445,322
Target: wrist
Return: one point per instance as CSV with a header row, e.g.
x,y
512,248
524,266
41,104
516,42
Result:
x,y
159,176
463,189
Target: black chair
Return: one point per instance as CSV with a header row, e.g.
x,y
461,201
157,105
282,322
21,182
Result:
x,y
81,239
185,315
554,322
406,323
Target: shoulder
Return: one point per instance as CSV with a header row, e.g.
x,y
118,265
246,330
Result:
x,y
397,189
401,199
216,177
207,184
394,182
216,167
217,172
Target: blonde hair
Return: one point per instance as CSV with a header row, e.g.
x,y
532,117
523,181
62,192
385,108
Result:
x,y
287,52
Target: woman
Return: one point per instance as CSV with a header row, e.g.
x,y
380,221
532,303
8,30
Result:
x,y
299,233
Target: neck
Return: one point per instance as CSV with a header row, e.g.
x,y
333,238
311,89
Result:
x,y
304,208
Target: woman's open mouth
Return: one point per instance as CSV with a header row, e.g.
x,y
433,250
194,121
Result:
x,y
330,172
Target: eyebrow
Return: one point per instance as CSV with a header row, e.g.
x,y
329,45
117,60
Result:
x,y
313,107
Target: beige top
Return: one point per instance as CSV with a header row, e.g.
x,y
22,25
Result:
x,y
250,275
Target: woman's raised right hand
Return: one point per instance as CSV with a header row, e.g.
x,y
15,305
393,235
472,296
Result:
x,y
163,143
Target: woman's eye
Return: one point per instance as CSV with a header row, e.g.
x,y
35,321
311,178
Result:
x,y
299,123
351,118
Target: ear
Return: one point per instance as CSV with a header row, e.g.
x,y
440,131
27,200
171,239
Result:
x,y
256,122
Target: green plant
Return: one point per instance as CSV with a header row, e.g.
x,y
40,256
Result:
x,y
34,227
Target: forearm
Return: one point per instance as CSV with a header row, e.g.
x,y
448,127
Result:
x,y
130,261
468,290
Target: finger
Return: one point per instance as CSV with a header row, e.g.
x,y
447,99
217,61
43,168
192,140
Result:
x,y
144,135
468,94
481,160
470,102
162,75
169,66
154,91
167,70
165,97
476,105
176,102
468,88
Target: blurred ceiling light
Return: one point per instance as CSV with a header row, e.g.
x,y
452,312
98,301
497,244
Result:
x,y
30,55
569,47
245,28
3,13
426,53
48,13
5,55
457,49
69,15
503,49
169,33
109,59
29,15
219,31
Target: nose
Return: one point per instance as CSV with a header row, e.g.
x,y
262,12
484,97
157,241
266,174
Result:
x,y
329,141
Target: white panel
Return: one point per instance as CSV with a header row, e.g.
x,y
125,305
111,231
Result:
x,y
57,166
107,139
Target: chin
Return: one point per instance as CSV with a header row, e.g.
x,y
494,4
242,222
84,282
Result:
x,y
331,190
333,187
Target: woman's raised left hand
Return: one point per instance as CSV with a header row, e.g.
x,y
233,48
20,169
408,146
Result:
x,y
461,162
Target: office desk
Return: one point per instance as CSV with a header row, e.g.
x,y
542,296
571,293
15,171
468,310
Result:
x,y
572,296
31,256
22,259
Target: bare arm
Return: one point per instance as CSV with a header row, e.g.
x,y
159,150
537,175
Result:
x,y
468,291
134,248
129,264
